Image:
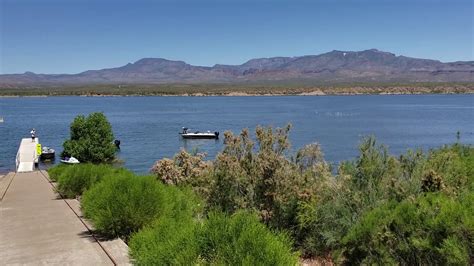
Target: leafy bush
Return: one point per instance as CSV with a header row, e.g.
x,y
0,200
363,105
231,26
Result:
x,y
183,169
241,239
222,240
169,241
372,180
264,180
360,185
324,221
56,171
300,194
433,230
76,179
123,203
453,166
91,139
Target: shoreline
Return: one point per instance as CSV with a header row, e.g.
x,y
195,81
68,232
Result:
x,y
229,90
238,94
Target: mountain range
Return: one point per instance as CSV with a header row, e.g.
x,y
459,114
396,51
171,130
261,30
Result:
x,y
332,67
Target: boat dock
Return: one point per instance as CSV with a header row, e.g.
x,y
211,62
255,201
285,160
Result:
x,y
39,227
27,155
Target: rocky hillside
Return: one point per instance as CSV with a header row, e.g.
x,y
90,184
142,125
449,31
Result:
x,y
336,66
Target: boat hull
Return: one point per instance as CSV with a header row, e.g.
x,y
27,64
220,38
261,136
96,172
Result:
x,y
47,156
199,136
70,160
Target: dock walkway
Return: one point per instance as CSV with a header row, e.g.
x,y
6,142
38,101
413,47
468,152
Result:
x,y
27,156
38,228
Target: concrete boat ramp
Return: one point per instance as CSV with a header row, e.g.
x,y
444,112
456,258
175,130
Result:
x,y
38,227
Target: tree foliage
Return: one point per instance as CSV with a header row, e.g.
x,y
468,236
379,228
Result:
x,y
91,139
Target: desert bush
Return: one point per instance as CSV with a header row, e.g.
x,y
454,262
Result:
x,y
252,175
91,139
360,185
122,204
325,220
434,229
168,241
76,179
241,239
298,193
56,171
185,169
431,182
453,166
266,179
367,182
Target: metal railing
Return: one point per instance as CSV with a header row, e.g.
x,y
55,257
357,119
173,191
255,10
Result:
x,y
17,161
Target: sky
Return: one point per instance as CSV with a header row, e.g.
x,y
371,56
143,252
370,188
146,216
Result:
x,y
71,36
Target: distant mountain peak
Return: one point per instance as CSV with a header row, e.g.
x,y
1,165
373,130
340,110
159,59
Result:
x,y
370,65
150,60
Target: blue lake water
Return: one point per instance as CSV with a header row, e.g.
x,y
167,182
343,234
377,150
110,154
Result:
x,y
148,126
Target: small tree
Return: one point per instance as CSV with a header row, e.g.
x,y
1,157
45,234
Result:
x,y
91,139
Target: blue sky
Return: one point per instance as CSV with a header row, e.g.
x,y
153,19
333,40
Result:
x,y
70,36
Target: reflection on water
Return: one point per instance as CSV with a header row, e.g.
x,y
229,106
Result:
x,y
198,145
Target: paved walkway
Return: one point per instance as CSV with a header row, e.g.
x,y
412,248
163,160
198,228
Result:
x,y
37,228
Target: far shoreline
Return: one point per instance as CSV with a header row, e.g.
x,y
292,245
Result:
x,y
234,95
212,90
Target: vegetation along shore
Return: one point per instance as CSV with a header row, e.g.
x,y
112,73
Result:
x,y
258,204
239,90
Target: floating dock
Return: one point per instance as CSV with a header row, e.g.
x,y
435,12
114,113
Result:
x,y
27,155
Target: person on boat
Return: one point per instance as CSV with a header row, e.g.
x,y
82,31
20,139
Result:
x,y
33,134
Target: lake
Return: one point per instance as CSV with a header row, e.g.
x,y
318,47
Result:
x,y
148,126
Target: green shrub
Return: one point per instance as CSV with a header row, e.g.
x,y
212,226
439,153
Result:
x,y
91,139
76,179
241,239
241,177
123,203
360,185
374,179
56,171
299,194
220,240
435,229
323,222
454,166
169,241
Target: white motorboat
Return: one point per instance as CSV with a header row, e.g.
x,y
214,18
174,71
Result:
x,y
47,153
198,135
70,160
